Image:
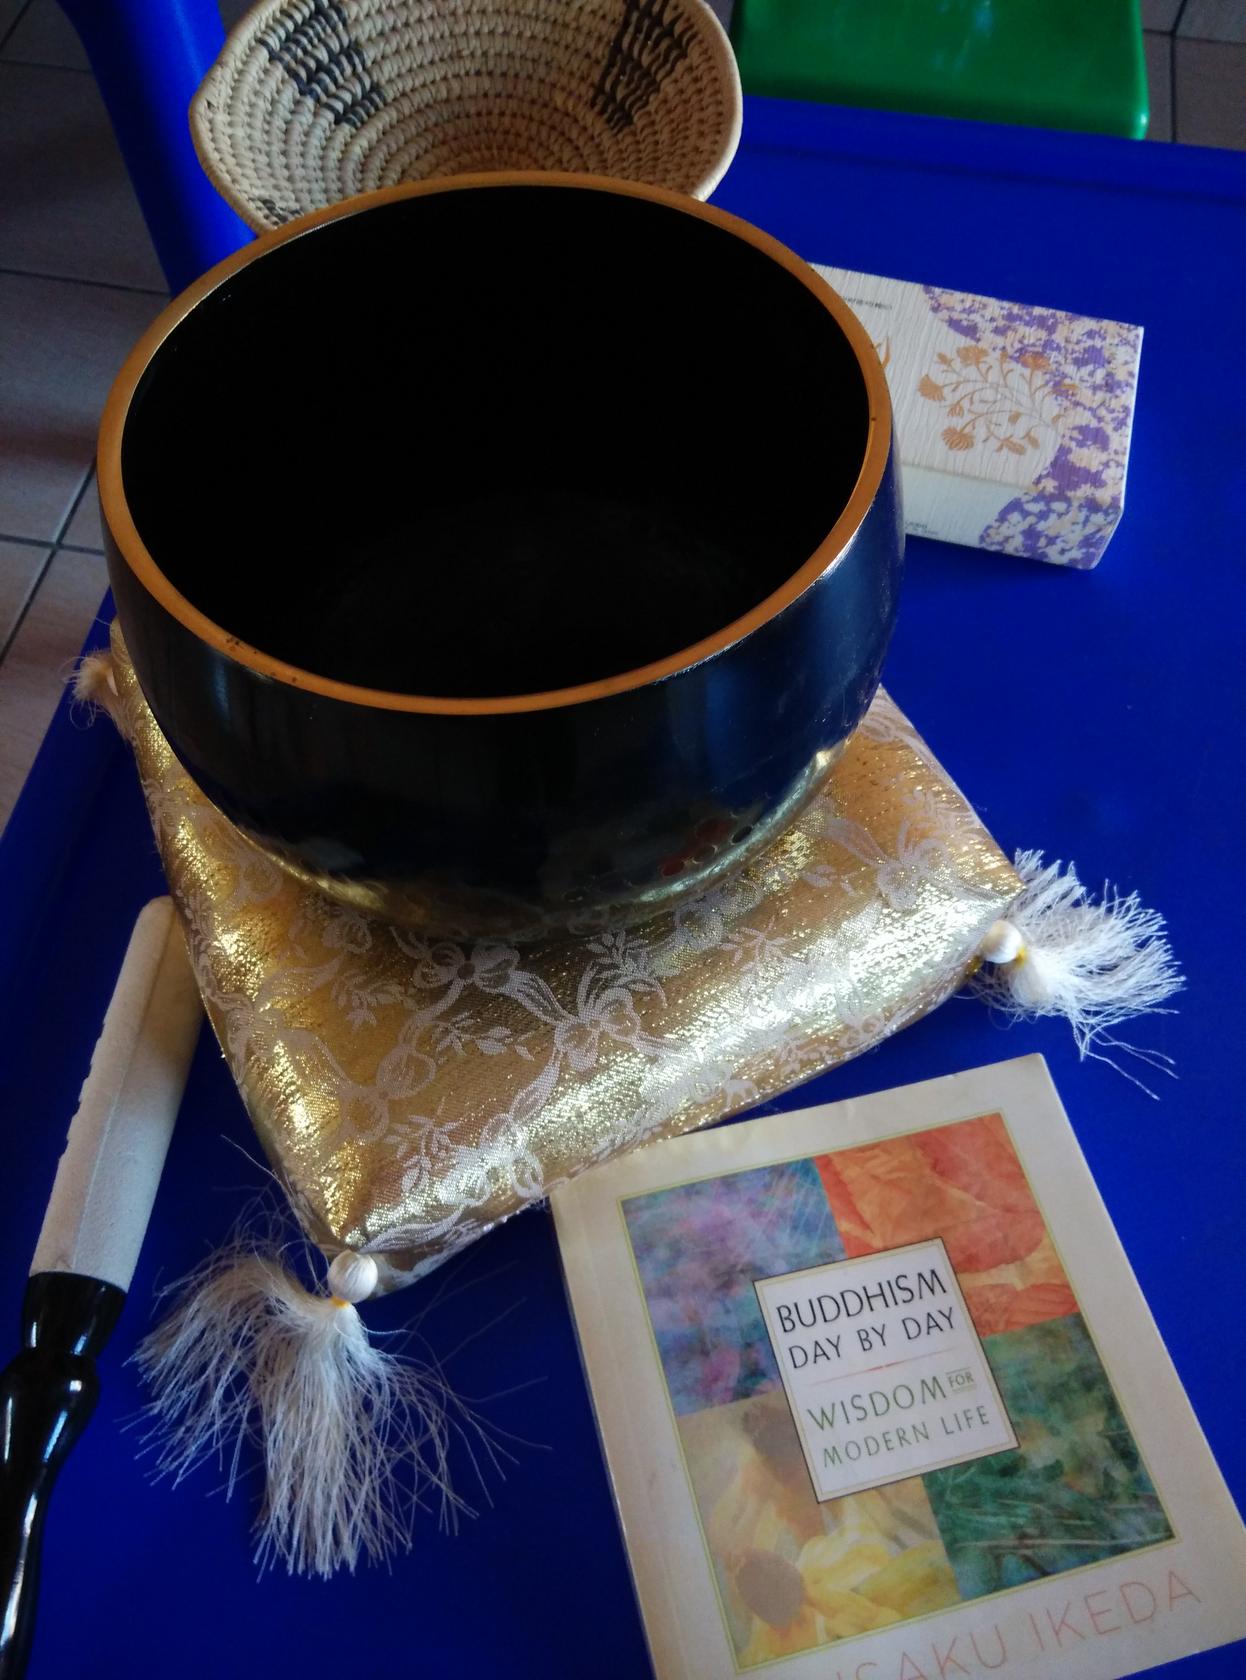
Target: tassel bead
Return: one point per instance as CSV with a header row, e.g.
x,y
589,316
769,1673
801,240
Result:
x,y
1003,943
352,1277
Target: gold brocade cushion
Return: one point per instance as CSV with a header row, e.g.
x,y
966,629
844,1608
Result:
x,y
411,1093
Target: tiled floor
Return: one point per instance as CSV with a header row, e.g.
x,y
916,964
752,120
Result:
x,y
79,281
1196,67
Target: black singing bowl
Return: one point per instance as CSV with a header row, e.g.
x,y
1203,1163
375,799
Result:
x,y
507,552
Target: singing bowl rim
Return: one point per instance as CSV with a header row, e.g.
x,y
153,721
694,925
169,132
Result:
x,y
133,552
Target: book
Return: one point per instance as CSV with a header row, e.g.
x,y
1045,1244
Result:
x,y
880,1399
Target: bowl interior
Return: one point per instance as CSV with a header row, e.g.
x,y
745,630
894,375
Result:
x,y
494,441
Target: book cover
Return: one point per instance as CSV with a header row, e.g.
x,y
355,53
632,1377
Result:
x,y
881,1400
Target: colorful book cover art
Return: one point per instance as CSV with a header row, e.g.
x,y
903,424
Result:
x,y
793,1573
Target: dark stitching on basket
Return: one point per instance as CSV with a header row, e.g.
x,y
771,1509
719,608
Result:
x,y
645,50
320,56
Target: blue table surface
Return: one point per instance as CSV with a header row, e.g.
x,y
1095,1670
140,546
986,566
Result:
x,y
1096,715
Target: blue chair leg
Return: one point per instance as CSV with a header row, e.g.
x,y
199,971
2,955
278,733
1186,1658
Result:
x,y
149,56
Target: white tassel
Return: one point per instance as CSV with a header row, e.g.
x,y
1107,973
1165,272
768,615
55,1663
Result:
x,y
94,684
1097,964
353,1437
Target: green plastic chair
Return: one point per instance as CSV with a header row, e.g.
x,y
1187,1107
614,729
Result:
x,y
1074,64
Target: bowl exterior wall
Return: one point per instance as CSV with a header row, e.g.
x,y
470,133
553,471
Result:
x,y
516,823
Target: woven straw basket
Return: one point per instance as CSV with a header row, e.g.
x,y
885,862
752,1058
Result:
x,y
313,101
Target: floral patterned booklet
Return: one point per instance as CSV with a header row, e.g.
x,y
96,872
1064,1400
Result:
x,y
881,1399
